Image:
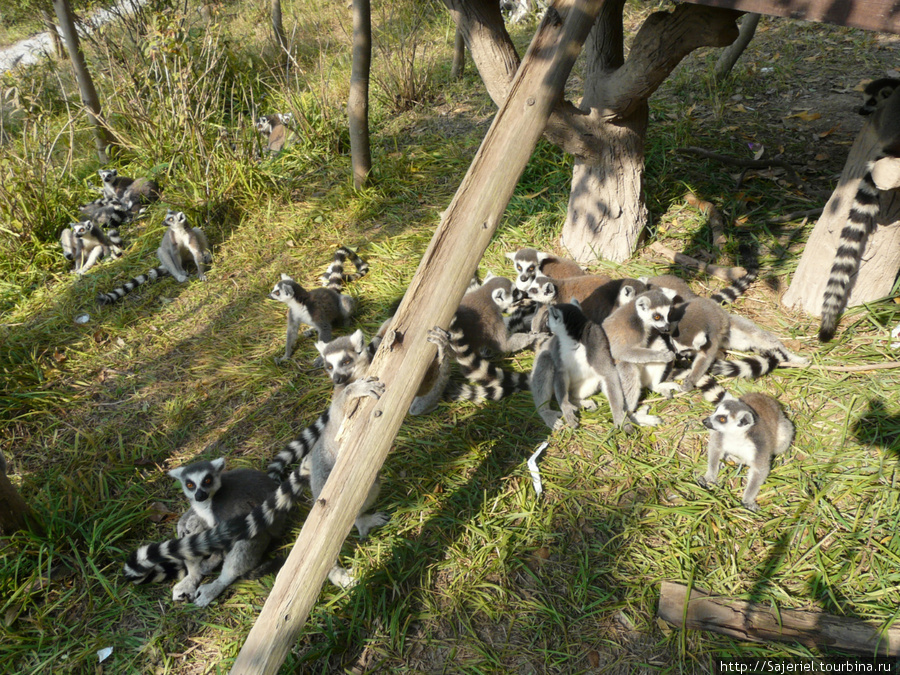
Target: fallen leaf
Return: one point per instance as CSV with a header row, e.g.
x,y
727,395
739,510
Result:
x,y
830,131
159,512
594,658
805,115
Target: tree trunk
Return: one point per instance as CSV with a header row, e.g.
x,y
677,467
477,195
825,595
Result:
x,y
14,512
459,56
278,30
732,53
102,135
50,25
881,257
607,196
358,99
607,212
459,241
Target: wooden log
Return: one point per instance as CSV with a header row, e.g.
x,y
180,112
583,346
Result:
x,y
762,623
432,298
881,258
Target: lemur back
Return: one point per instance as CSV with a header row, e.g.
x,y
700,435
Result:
x,y
883,102
156,562
530,263
750,430
216,496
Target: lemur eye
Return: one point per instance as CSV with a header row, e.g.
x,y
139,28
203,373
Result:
x,y
722,419
657,317
190,485
329,366
346,362
207,480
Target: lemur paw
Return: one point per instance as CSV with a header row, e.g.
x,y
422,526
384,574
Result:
x,y
370,387
751,506
201,277
341,577
704,482
206,594
185,590
369,521
439,337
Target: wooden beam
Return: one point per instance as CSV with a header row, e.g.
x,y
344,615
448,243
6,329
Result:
x,y
877,15
763,623
458,244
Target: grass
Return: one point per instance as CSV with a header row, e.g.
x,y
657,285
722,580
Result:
x,y
472,574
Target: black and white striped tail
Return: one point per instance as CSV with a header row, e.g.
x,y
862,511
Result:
x,y
126,288
298,448
749,367
711,390
860,224
487,381
520,319
737,288
166,560
334,277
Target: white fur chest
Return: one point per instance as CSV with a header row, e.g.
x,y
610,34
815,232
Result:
x,y
583,379
204,510
739,448
300,312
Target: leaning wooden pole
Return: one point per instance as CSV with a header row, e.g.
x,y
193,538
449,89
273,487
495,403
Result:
x,y
458,244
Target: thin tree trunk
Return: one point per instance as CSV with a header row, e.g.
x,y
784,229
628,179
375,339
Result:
x,y
459,241
14,512
732,53
358,99
102,136
58,49
459,55
278,30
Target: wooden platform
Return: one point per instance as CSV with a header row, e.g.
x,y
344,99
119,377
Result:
x,y
878,15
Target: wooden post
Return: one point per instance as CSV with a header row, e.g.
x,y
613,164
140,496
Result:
x,y
761,623
881,257
433,296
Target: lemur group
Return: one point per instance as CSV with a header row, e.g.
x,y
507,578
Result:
x,y
590,333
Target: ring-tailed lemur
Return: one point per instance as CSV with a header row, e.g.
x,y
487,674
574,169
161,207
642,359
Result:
x,y
597,295
750,430
706,330
114,185
478,327
319,307
86,243
215,497
141,192
106,211
274,128
180,244
637,334
573,365
725,296
158,562
881,97
530,263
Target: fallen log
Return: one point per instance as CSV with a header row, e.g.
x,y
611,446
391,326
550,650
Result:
x,y
762,623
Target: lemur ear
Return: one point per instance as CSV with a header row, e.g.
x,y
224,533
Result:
x,y
358,340
218,464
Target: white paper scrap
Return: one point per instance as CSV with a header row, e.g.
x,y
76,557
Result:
x,y
104,653
895,334
533,468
